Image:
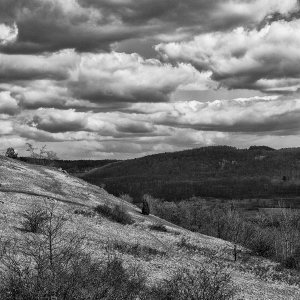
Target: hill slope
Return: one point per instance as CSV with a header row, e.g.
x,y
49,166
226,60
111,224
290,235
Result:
x,y
223,172
22,185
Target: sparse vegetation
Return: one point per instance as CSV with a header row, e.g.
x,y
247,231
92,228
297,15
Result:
x,y
197,284
84,212
136,249
126,198
55,264
11,153
116,214
41,153
271,235
34,219
158,227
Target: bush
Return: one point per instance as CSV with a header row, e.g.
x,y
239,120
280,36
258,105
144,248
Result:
x,y
85,213
75,277
53,264
197,284
34,219
136,249
126,198
261,244
11,153
158,227
116,214
145,208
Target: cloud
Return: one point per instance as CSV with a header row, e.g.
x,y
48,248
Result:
x,y
30,67
267,59
257,115
52,25
69,79
8,104
89,25
8,34
254,115
124,77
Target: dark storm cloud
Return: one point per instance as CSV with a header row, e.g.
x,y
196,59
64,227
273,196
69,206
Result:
x,y
94,25
55,25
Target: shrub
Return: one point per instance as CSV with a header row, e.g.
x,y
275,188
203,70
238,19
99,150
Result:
x,y
34,219
145,208
11,153
74,277
116,214
198,284
261,244
126,198
85,213
158,227
53,264
136,249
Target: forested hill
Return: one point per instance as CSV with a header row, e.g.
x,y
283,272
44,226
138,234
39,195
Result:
x,y
219,171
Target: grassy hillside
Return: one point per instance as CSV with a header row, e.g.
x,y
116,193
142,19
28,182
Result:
x,y
71,166
223,172
143,246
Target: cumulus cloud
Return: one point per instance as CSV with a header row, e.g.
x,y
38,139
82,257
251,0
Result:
x,y
67,78
253,115
8,34
29,67
8,104
124,77
267,59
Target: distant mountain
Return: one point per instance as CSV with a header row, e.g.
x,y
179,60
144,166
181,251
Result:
x,y
219,171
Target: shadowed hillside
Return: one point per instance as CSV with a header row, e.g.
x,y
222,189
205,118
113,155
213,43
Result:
x,y
221,171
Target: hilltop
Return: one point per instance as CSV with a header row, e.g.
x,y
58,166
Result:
x,y
220,171
23,185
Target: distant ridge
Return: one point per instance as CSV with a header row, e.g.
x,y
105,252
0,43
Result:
x,y
215,171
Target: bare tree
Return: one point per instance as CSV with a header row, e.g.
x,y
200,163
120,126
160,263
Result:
x,y
41,153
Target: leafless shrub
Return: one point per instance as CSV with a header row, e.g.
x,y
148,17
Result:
x,y
55,264
34,218
198,284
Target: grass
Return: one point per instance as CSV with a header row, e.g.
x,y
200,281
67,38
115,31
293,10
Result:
x,y
158,227
136,249
116,214
196,284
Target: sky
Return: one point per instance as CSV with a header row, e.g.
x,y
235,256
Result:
x,y
117,79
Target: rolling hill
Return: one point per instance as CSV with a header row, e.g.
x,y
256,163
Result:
x,y
22,185
221,171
